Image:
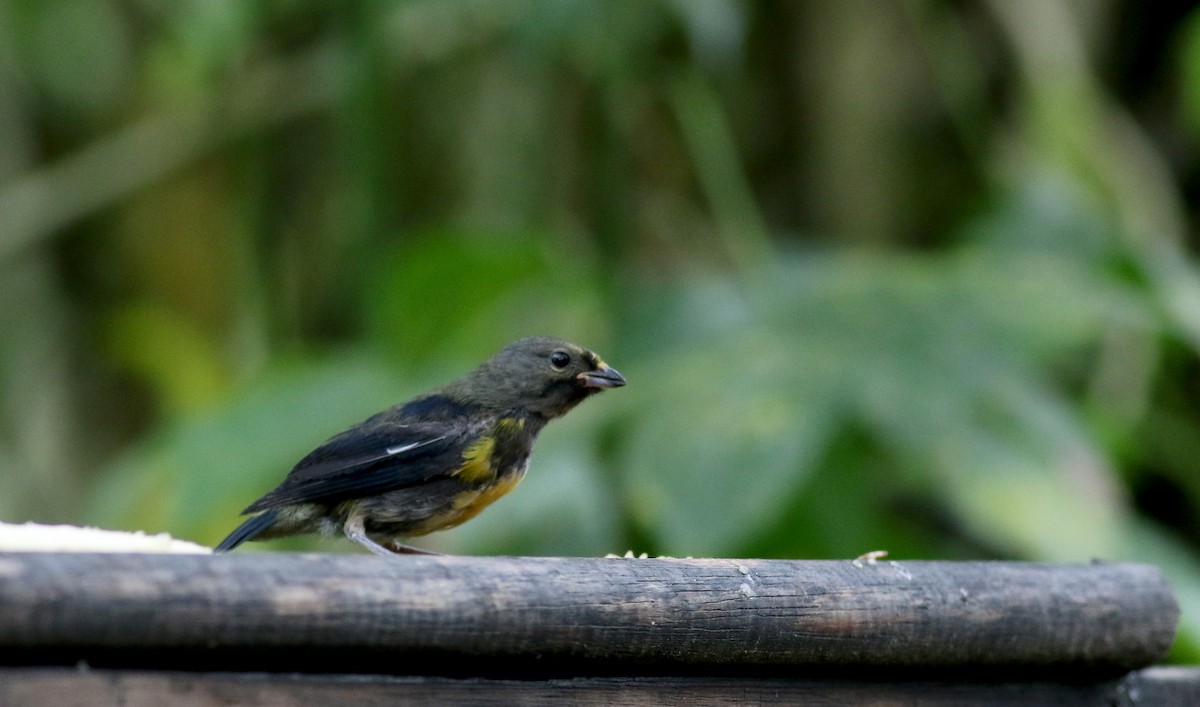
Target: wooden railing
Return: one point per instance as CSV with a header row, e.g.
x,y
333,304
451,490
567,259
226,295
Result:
x,y
158,629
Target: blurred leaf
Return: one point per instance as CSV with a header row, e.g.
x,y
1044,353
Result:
x,y
205,43
81,54
452,299
945,361
716,447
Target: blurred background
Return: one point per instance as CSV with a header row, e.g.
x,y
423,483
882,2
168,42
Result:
x,y
917,276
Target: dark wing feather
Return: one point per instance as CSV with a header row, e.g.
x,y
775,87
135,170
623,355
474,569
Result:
x,y
370,459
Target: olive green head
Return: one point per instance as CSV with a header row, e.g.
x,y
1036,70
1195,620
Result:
x,y
538,374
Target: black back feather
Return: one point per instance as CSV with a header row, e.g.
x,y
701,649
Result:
x,y
383,454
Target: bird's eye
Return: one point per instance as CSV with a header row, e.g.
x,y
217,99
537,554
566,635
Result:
x,y
560,359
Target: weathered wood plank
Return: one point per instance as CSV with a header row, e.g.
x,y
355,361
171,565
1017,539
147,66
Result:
x,y
652,614
66,687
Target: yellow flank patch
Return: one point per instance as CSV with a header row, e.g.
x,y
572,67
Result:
x,y
467,505
510,424
477,462
471,505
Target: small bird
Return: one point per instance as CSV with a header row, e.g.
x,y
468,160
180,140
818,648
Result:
x,y
435,461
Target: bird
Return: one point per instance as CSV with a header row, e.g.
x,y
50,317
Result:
x,y
435,461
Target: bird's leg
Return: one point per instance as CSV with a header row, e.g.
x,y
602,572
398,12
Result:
x,y
355,530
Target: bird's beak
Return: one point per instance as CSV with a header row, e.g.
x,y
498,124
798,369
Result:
x,y
604,377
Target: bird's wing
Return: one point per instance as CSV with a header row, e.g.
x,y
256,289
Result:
x,y
369,460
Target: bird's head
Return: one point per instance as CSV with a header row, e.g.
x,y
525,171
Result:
x,y
542,375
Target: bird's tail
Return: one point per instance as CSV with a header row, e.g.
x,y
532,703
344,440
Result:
x,y
247,530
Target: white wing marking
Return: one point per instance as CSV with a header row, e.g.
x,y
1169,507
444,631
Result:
x,y
392,451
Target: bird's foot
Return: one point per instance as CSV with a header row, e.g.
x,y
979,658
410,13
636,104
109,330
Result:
x,y
402,549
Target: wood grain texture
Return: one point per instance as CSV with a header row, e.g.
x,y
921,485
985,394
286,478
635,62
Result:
x,y
66,687
658,614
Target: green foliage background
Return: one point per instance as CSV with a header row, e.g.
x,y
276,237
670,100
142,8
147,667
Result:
x,y
917,276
